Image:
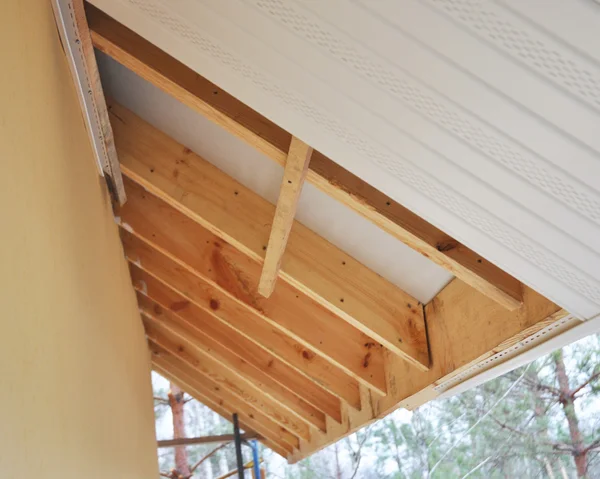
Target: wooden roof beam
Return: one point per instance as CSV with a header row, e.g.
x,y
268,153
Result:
x,y
329,277
345,348
223,408
204,367
313,369
241,353
176,327
173,77
216,393
296,167
167,230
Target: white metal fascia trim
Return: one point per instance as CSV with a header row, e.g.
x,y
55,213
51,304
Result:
x,y
449,388
72,39
69,36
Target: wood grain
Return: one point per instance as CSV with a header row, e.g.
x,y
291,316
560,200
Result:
x,y
236,350
344,349
206,367
295,355
176,327
296,167
238,216
464,327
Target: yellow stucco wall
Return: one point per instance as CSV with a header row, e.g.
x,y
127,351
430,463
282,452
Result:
x,y
75,392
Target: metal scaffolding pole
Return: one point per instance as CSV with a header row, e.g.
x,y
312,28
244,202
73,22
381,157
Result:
x,y
238,446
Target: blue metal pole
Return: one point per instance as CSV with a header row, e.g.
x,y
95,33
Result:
x,y
254,444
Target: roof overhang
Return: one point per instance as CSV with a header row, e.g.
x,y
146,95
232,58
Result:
x,y
252,312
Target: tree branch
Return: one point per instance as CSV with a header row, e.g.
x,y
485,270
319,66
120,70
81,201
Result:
x,y
486,414
448,425
211,453
541,386
477,467
559,446
593,445
592,378
358,451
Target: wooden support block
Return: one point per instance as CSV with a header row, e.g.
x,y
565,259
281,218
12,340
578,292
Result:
x,y
296,167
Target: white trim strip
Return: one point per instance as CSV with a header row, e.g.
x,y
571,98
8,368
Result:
x,y
77,45
575,333
67,28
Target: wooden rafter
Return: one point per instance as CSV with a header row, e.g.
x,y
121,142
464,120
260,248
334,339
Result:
x,y
209,388
157,239
344,348
328,278
237,351
209,368
157,319
296,167
282,347
196,92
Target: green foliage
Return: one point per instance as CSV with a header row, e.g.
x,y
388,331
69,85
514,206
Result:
x,y
524,434
512,427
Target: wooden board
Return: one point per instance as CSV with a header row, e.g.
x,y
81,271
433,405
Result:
x,y
330,277
344,349
159,319
464,328
290,352
296,167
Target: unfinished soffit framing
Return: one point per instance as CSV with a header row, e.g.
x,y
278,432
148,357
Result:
x,y
343,336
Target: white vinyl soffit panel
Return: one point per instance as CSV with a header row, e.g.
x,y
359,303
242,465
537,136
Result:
x,y
481,116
